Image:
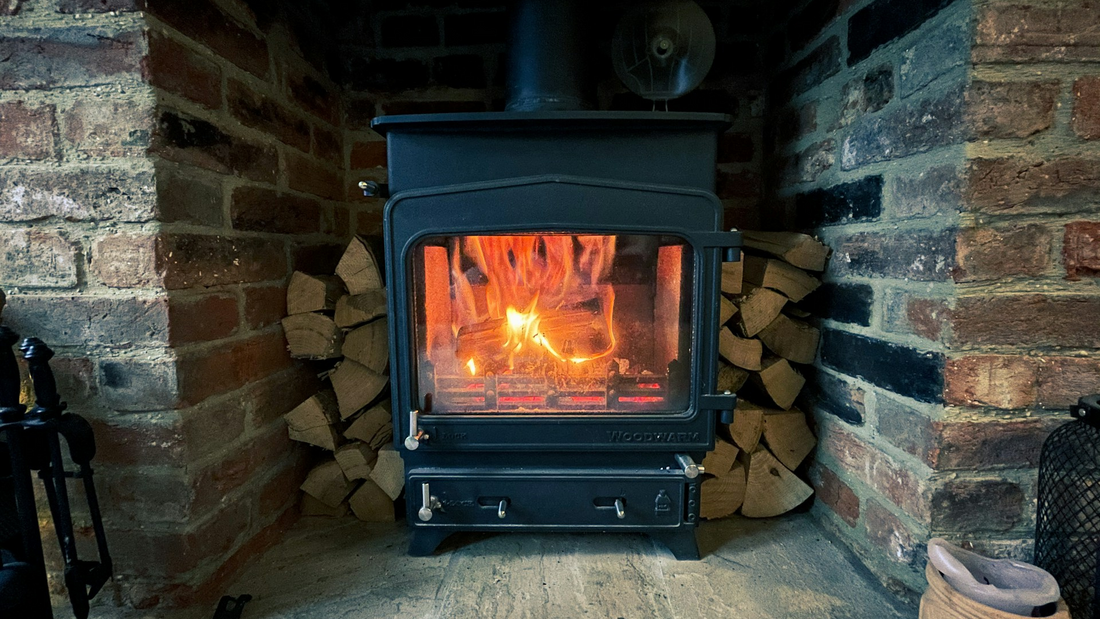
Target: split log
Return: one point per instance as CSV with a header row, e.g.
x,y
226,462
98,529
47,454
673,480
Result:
x,y
374,427
370,504
389,472
311,421
358,268
726,310
312,336
720,461
312,293
313,507
743,353
369,345
772,489
731,378
356,460
780,381
747,426
788,436
352,311
791,339
800,250
356,386
721,496
327,484
732,274
758,308
778,275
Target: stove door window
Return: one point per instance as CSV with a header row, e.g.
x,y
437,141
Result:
x,y
553,323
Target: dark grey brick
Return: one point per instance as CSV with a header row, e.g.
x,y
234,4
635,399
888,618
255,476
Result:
x,y
844,203
933,55
850,303
906,371
884,21
914,127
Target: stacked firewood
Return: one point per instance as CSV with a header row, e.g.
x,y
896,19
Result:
x,y
340,320
764,338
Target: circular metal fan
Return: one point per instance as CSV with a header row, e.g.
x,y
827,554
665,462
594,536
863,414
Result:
x,y
664,49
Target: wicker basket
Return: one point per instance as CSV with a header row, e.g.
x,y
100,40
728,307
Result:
x,y
942,601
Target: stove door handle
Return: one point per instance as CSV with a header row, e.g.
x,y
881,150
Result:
x,y
428,503
412,441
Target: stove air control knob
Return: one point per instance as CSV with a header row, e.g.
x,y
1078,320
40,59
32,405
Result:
x,y
691,470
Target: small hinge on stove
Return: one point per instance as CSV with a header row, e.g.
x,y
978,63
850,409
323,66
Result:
x,y
724,403
728,241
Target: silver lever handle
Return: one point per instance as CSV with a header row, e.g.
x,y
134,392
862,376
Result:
x,y
691,470
412,441
620,508
427,503
500,509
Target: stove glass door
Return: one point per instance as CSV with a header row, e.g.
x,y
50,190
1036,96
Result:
x,y
553,323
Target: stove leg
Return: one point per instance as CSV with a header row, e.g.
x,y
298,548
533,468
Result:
x,y
424,541
681,542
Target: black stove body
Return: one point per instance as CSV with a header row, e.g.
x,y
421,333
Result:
x,y
554,282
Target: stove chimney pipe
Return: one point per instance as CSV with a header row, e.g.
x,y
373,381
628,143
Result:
x,y
548,57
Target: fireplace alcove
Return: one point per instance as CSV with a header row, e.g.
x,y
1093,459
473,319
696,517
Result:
x,y
173,165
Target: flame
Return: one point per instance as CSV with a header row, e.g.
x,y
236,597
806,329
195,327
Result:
x,y
528,281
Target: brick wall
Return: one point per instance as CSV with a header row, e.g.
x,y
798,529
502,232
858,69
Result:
x,y
943,151
431,57
162,174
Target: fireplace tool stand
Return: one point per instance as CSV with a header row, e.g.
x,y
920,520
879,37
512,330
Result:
x,y
32,442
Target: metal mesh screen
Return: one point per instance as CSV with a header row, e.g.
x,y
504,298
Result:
x,y
1067,533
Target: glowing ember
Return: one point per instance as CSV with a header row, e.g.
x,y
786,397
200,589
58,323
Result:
x,y
470,365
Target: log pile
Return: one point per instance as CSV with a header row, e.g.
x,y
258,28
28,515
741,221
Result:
x,y
341,320
764,339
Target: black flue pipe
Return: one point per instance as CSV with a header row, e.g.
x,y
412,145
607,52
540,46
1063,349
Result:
x,y
548,57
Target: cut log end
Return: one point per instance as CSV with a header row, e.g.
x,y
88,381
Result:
x,y
772,489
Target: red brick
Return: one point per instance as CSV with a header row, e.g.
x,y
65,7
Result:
x,y
981,445
262,112
927,317
230,366
193,141
37,258
179,70
887,531
27,132
1081,249
139,384
138,496
152,439
77,193
126,261
189,260
89,321
320,259
1009,185
70,56
368,222
1011,109
837,495
1063,380
152,553
204,22
99,6
811,163
242,464
1086,107
264,305
307,174
327,146
737,147
976,506
998,381
370,154
260,209
183,196
341,222
202,319
996,253
311,94
1020,32
281,491
1027,320
110,128
875,469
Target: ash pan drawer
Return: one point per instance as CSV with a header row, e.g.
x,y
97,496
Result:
x,y
598,503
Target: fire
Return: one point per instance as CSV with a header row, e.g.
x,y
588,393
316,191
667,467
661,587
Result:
x,y
533,296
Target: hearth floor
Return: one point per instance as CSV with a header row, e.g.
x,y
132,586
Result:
x,y
786,568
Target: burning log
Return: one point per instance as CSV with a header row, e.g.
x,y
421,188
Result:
x,y
557,332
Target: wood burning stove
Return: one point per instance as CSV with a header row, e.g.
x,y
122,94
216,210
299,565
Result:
x,y
554,284
554,280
